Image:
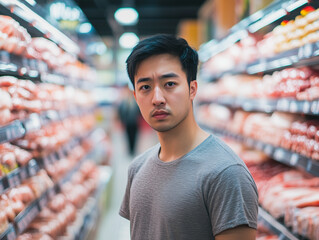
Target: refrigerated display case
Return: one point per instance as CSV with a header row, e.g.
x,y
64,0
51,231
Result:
x,y
50,183
260,89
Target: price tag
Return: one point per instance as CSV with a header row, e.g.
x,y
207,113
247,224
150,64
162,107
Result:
x,y
309,165
23,173
314,107
13,179
306,107
300,53
268,149
294,159
2,187
33,167
5,57
43,67
33,64
293,107
3,135
25,62
283,105
308,50
15,130
43,201
259,145
33,123
279,154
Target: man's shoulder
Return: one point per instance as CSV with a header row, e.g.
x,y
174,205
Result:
x,y
216,156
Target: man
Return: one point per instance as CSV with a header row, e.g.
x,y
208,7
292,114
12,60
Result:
x,y
190,185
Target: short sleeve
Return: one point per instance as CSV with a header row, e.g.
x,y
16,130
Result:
x,y
125,207
232,199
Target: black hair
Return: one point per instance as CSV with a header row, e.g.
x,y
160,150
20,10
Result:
x,y
160,44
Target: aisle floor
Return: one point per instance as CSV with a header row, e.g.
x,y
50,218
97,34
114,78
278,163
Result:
x,y
112,225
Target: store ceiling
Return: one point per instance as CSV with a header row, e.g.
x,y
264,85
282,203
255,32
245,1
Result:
x,y
155,16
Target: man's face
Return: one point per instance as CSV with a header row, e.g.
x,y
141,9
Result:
x,y
162,92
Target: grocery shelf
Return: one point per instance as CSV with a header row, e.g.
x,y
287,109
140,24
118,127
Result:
x,y
24,218
262,18
306,55
277,153
33,17
274,225
267,105
12,131
19,128
11,64
36,70
17,176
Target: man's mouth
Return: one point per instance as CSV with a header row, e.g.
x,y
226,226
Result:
x,y
160,114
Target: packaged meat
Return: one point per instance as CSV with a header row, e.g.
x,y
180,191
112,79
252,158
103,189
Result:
x,y
4,224
6,116
6,101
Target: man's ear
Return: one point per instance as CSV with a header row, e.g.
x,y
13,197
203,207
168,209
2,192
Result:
x,y
193,89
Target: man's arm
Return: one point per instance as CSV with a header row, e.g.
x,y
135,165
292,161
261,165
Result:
x,y
241,232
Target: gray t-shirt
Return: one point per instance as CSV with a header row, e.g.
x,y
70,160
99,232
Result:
x,y
197,196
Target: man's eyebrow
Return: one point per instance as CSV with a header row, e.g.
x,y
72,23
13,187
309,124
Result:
x,y
164,76
140,80
168,75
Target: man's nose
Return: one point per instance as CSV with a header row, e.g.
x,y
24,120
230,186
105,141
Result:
x,y
158,97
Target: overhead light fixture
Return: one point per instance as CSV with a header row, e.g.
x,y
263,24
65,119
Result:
x,y
85,28
126,16
128,40
31,2
98,48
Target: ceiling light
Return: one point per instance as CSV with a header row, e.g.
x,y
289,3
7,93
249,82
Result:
x,y
31,2
98,48
126,16
85,28
128,40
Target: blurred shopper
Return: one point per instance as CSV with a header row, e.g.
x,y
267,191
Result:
x,y
190,185
129,114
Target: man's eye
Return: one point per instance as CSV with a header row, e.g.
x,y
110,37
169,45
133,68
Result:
x,y
170,84
144,87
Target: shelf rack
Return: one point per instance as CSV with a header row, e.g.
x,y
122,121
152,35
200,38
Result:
x,y
23,219
275,226
267,105
277,153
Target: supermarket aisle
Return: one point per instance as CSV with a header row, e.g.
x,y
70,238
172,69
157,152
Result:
x,y
112,226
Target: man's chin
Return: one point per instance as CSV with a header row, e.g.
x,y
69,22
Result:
x,y
162,129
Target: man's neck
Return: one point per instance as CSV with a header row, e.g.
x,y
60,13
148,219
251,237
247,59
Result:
x,y
180,140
